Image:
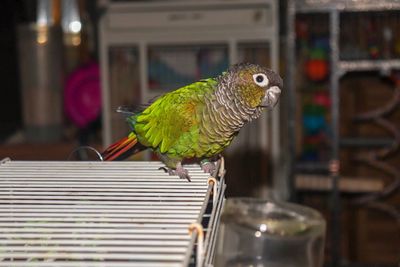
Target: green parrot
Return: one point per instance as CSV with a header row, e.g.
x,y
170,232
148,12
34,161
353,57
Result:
x,y
198,121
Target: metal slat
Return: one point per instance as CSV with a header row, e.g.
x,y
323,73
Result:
x,y
94,225
93,237
98,213
101,202
101,220
102,242
87,264
89,210
44,228
91,256
114,249
93,216
123,207
15,184
99,198
213,224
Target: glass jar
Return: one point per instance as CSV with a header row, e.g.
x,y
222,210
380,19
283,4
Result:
x,y
267,233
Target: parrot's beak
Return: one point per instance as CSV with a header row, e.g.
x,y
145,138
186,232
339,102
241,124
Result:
x,y
271,97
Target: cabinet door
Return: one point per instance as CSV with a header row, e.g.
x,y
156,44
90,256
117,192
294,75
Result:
x,y
124,86
173,66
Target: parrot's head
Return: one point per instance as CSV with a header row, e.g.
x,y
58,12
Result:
x,y
253,86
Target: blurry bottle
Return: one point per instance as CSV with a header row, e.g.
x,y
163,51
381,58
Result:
x,y
41,73
77,31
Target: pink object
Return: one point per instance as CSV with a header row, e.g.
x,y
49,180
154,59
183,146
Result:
x,y
82,95
322,99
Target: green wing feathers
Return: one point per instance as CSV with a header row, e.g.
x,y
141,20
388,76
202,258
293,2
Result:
x,y
171,123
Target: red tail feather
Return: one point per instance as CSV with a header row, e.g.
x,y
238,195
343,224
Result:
x,y
119,148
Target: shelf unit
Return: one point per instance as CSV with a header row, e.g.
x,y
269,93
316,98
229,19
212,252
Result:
x,y
146,35
338,67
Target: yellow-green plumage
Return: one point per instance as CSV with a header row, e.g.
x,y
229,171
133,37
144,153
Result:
x,y
201,119
171,124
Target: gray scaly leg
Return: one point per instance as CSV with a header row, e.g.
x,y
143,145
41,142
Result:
x,y
179,171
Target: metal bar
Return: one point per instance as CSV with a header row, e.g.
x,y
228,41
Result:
x,y
367,265
334,94
309,6
162,220
122,181
311,167
215,235
97,197
23,182
139,206
95,192
91,249
94,227
105,92
368,65
216,201
356,185
174,240
218,188
14,215
189,252
88,264
290,85
199,219
132,226
101,242
94,256
89,228
55,209
214,223
365,142
100,202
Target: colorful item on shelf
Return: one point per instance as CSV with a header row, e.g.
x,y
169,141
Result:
x,y
316,69
374,51
315,139
302,30
313,109
322,98
313,123
82,95
317,66
310,155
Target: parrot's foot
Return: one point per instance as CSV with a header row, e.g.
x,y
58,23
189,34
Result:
x,y
179,171
208,167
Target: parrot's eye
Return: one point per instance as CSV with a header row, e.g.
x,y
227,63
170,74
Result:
x,y
260,79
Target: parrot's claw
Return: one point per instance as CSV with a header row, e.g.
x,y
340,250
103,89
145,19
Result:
x,y
180,171
165,169
208,167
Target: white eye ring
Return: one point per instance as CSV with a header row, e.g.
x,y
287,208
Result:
x,y
261,79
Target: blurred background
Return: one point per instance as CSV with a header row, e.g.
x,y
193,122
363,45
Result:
x,y
331,144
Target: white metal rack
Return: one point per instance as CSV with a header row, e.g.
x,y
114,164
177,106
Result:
x,y
106,214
